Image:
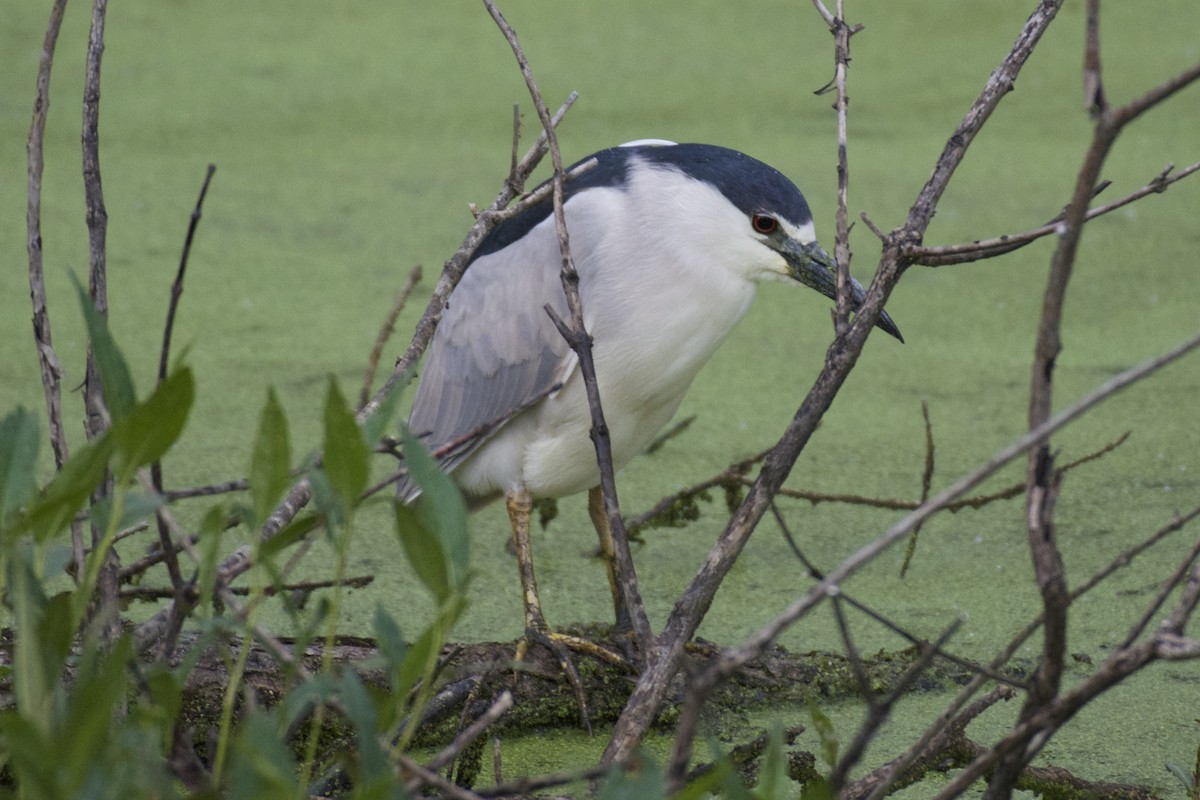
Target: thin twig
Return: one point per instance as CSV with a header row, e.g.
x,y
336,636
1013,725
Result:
x,y
178,585
385,332
945,255
469,734
581,342
50,368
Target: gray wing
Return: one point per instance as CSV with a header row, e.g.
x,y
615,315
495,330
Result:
x,y
496,350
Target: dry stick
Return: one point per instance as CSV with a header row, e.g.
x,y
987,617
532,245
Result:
x,y
1041,486
974,502
733,473
423,776
831,583
1029,735
989,248
278,650
900,764
105,609
469,734
882,780
581,342
48,362
238,562
839,360
878,712
181,606
841,251
882,619
926,484
164,593
385,332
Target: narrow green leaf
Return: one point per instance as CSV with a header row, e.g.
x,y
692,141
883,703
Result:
x,y
212,526
271,459
389,639
34,675
648,781
261,765
824,729
288,535
100,687
153,425
1180,774
31,756
773,779
18,461
356,703
135,507
374,426
417,661
346,453
82,473
306,696
440,507
424,551
115,378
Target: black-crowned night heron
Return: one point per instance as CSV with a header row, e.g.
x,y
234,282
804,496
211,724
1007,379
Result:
x,y
670,242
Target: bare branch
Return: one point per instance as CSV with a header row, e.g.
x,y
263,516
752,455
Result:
x,y
386,330
50,368
989,248
581,342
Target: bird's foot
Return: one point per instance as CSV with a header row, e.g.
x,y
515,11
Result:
x,y
561,645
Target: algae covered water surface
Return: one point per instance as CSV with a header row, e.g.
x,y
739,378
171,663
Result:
x,y
349,141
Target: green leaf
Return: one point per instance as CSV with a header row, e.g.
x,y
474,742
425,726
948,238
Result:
x,y
647,782
152,426
357,705
135,507
374,425
773,779
1181,774
31,755
100,687
119,395
440,507
389,639
261,766
346,454
424,551
18,461
824,728
288,535
82,473
212,527
271,459
417,662
35,666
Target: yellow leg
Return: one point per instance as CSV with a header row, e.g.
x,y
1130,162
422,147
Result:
x,y
519,504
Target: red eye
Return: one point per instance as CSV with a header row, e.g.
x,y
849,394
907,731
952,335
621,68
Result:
x,y
764,224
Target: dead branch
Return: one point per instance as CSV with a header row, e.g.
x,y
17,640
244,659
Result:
x,y
580,340
990,248
1041,487
385,332
51,369
839,360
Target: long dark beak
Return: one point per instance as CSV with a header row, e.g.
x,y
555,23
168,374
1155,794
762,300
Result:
x,y
813,267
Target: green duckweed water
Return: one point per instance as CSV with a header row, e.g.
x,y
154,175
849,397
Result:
x,y
349,141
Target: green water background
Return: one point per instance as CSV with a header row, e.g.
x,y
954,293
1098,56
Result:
x,y
350,137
